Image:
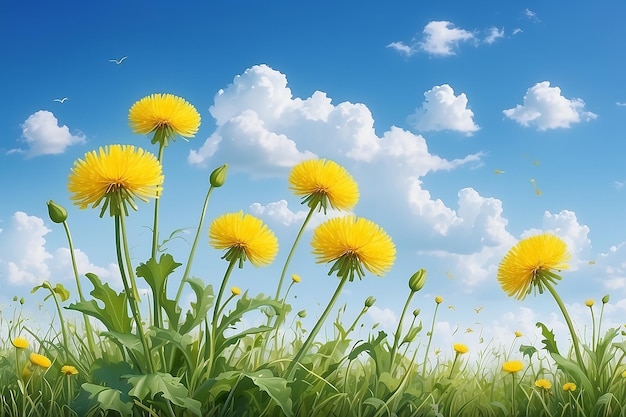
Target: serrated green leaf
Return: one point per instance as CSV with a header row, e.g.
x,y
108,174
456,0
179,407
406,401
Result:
x,y
527,350
156,273
170,336
204,301
114,315
108,399
129,340
275,387
549,343
167,385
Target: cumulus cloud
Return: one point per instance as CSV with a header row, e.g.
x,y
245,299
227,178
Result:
x,y
545,108
441,37
442,110
279,212
44,136
529,14
494,34
27,260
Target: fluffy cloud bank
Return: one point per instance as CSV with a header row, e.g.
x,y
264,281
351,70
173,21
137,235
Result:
x,y
545,108
44,136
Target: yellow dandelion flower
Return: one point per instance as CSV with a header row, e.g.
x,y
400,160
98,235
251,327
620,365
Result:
x,y
518,333
244,237
235,291
512,367
439,299
20,343
69,370
530,262
40,360
569,386
295,278
353,243
543,383
115,174
166,115
589,303
323,182
460,348
624,374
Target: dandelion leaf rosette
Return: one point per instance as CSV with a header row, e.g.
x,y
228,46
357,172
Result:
x,y
163,385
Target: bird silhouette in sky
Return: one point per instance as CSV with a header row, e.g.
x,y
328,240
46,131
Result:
x,y
118,61
61,100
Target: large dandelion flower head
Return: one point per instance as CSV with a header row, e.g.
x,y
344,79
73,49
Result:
x,y
322,183
512,367
531,263
353,243
40,360
243,236
114,176
165,115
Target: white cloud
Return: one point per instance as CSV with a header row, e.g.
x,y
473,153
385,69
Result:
x,y
441,37
442,110
516,31
545,108
385,316
279,212
494,34
44,136
402,48
24,261
531,15
620,104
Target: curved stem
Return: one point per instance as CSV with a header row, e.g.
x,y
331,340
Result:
x,y
155,227
291,252
130,291
60,313
88,328
593,330
568,320
291,369
396,336
216,311
193,246
430,339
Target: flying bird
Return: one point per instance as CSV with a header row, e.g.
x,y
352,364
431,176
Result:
x,y
477,309
61,100
118,61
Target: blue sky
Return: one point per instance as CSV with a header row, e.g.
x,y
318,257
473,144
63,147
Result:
x,y
467,128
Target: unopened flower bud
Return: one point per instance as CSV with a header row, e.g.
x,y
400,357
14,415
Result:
x,y
417,280
15,298
218,176
22,301
589,302
295,278
369,301
235,291
416,312
56,212
439,299
302,314
605,299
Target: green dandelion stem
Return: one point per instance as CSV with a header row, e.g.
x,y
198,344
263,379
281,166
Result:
x,y
292,250
216,311
430,339
396,336
155,227
193,246
593,329
291,369
90,340
568,320
120,232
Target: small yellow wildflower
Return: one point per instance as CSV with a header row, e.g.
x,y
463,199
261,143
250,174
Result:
x,y
295,278
460,348
512,367
518,333
543,383
40,360
69,370
589,302
20,343
624,374
235,291
569,386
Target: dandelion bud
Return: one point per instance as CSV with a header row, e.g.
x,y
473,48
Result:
x,y
235,291
57,213
302,314
15,298
295,278
416,312
369,301
417,280
218,176
589,303
439,299
605,299
22,301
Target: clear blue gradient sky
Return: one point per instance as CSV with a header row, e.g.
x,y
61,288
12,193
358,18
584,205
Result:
x,y
467,127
